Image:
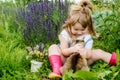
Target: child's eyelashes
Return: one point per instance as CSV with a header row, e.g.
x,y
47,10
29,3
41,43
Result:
x,y
82,29
79,29
76,29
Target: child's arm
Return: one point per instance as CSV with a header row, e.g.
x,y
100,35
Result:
x,y
66,51
87,50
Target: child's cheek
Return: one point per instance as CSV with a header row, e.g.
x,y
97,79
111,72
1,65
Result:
x,y
74,32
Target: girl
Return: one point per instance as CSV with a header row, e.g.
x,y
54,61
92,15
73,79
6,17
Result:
x,y
78,25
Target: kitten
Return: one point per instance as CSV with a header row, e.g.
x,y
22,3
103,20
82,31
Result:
x,y
75,61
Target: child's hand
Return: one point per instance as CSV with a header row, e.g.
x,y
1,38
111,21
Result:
x,y
77,47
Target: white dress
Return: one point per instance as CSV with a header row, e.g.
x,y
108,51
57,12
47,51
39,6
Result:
x,y
88,41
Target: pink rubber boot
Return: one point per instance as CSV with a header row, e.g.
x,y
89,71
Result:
x,y
113,59
56,63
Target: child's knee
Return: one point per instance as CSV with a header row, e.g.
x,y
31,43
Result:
x,y
53,50
52,47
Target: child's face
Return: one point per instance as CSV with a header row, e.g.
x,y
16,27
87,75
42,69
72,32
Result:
x,y
78,30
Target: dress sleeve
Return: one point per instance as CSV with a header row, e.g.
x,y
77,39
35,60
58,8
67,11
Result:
x,y
64,34
88,42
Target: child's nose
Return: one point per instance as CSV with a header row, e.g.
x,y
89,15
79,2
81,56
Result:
x,y
80,32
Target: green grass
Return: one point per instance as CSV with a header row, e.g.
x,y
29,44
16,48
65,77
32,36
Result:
x,y
13,63
14,66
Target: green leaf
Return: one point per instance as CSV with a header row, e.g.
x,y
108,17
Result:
x,y
104,73
85,75
68,75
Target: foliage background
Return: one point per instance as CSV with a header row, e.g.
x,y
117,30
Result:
x,y
14,66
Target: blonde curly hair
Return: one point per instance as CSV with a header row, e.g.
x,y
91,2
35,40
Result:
x,y
80,13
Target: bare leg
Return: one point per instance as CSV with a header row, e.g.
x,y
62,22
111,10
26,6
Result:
x,y
100,54
55,50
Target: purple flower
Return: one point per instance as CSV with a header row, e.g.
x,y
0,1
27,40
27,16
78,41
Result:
x,y
38,21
